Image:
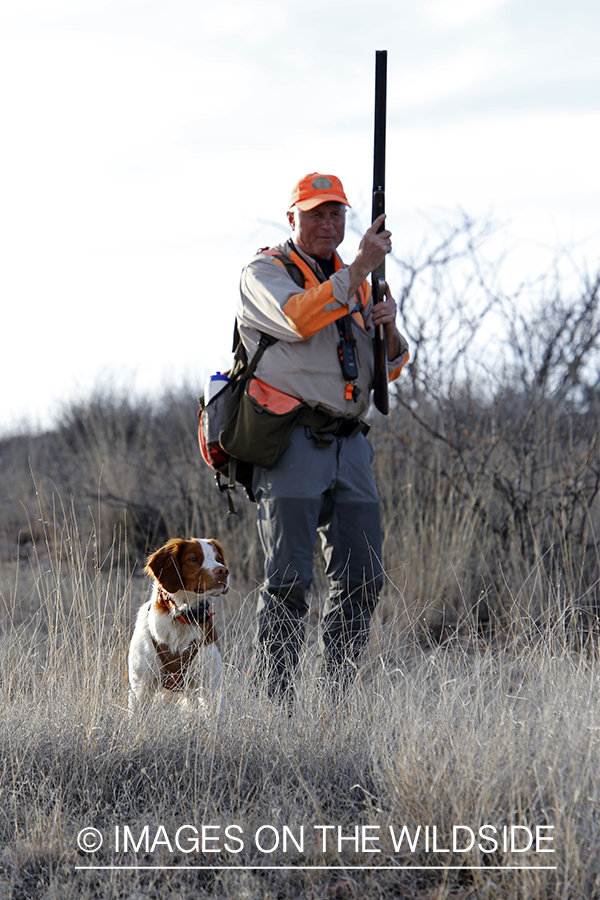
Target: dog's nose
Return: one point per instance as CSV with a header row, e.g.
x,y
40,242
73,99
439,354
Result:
x,y
221,572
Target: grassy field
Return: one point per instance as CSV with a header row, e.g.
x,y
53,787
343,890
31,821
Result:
x,y
457,742
465,762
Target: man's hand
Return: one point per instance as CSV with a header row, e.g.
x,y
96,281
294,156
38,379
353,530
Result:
x,y
372,250
384,313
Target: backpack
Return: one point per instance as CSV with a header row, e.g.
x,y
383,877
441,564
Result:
x,y
217,413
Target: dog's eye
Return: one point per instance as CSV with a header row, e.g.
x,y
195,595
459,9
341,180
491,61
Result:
x,y
193,559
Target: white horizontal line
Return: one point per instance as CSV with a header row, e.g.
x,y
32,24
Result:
x,y
312,868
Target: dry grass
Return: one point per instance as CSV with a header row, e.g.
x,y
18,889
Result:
x,y
464,733
477,704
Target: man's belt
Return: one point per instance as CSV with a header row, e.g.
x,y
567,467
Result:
x,y
350,427
324,427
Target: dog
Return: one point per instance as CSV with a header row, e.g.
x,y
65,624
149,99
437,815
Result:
x,y
174,653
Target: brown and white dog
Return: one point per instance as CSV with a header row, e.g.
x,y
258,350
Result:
x,y
174,653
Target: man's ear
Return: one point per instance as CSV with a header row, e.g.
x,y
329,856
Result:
x,y
291,220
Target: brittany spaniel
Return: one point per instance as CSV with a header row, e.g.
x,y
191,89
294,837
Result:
x,y
174,652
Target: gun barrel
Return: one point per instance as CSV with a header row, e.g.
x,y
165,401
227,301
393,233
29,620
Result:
x,y
380,121
379,153
380,394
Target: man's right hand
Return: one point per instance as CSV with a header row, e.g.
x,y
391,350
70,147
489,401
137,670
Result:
x,y
371,251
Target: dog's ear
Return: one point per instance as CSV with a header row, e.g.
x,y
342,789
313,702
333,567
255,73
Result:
x,y
163,565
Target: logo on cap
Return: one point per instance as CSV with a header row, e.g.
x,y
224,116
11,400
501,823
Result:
x,y
322,183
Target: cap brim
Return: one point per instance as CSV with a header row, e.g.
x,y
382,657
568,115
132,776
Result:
x,y
305,205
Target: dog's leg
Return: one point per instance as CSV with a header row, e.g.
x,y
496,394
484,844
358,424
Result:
x,y
214,668
132,704
136,705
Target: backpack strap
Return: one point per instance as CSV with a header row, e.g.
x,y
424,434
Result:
x,y
265,341
245,371
293,270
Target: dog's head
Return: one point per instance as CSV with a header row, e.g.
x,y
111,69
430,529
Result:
x,y
196,566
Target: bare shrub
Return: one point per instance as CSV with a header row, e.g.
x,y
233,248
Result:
x,y
122,463
489,465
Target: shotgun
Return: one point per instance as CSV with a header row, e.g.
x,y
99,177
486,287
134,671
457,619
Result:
x,y
380,386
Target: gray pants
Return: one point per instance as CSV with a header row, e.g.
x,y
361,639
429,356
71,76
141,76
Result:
x,y
329,491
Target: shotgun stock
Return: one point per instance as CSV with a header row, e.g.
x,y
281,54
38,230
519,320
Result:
x,y
380,386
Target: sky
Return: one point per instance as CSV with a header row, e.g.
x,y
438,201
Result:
x,y
149,148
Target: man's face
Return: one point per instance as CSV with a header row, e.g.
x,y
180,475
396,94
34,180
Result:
x,y
319,231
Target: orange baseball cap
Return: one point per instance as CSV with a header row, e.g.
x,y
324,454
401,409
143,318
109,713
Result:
x,y
315,188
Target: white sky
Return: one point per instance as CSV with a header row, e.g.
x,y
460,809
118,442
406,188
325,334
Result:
x,y
149,147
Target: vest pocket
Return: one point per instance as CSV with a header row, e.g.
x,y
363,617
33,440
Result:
x,y
261,424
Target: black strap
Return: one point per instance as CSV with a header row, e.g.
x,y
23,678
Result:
x,y
229,490
238,348
265,341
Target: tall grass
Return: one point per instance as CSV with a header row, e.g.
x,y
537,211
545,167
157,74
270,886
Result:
x,y
477,701
464,733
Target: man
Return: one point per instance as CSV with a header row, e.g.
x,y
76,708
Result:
x,y
301,293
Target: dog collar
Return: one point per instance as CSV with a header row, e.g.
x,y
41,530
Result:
x,y
166,601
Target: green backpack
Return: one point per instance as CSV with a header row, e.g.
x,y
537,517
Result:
x,y
243,425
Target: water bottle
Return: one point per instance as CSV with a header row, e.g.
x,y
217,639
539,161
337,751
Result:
x,y
214,385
